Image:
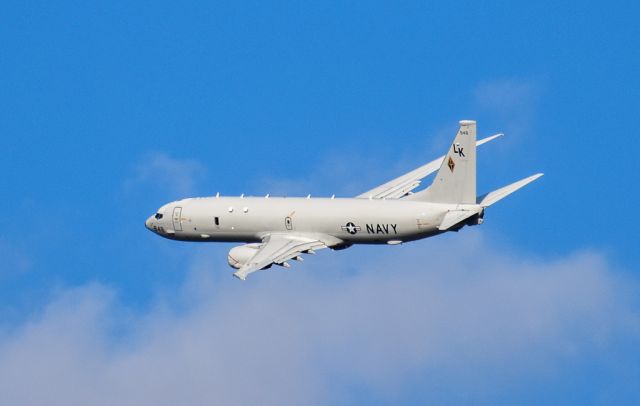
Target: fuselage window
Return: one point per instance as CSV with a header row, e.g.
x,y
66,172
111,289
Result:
x,y
217,221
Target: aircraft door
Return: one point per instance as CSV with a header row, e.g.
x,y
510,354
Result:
x,y
177,217
288,223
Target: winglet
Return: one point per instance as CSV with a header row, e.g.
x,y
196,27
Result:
x,y
499,194
487,139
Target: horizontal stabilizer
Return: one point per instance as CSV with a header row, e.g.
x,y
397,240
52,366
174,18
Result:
x,y
454,217
490,198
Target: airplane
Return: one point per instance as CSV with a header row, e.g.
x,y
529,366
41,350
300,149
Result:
x,y
276,230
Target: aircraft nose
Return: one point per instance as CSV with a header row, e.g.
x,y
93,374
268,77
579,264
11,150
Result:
x,y
148,222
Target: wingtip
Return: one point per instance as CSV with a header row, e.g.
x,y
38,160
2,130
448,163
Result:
x,y
240,276
532,178
489,138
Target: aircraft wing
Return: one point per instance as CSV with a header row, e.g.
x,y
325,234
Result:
x,y
401,186
277,249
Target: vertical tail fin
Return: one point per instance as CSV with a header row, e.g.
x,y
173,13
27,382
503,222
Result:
x,y
455,182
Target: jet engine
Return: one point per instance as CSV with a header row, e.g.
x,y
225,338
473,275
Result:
x,y
238,256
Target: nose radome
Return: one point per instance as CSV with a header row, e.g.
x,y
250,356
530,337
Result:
x,y
148,222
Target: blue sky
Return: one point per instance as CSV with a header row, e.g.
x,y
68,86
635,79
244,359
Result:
x,y
109,110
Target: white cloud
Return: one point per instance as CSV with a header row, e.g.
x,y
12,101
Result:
x,y
164,172
511,101
336,173
14,259
415,319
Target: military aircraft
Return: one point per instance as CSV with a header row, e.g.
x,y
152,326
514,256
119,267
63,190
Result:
x,y
279,229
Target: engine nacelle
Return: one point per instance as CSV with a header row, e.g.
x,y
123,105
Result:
x,y
240,255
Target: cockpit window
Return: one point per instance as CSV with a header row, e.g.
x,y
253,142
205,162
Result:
x,y
158,216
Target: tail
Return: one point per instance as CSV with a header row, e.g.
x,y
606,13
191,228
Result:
x,y
455,182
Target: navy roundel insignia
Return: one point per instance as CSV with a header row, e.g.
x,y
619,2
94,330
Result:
x,y
351,228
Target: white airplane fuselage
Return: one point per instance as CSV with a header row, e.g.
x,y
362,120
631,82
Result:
x,y
249,219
